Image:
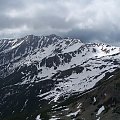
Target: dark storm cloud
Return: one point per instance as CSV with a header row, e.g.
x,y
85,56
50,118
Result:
x,y
87,35
89,20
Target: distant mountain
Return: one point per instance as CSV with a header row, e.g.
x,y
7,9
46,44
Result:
x,y
54,78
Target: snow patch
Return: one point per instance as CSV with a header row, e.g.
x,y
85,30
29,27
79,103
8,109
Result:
x,y
100,110
38,117
73,114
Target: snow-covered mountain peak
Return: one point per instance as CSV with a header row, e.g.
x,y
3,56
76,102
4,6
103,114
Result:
x,y
48,69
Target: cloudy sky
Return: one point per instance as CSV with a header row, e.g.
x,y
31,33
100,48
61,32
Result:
x,y
89,20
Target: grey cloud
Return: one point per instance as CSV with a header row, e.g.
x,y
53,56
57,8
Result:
x,y
87,35
88,20
8,4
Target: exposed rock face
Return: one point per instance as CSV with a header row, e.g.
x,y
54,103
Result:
x,y
50,77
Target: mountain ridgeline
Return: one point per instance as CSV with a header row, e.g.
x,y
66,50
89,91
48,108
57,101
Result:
x,y
55,78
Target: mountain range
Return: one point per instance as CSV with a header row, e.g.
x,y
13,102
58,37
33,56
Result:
x,y
55,78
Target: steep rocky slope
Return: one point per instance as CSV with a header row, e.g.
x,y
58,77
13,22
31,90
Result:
x,y
40,73
102,102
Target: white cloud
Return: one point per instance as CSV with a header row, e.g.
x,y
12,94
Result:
x,y
11,31
30,11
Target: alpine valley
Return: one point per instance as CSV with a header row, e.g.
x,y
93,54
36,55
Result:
x,y
54,78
